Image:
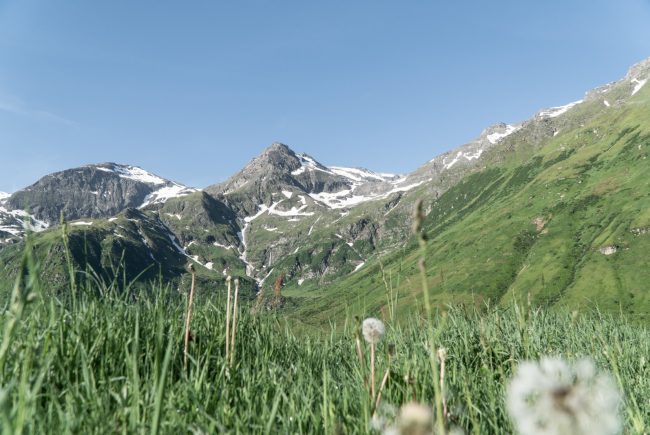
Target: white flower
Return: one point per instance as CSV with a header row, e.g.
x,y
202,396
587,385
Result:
x,y
373,330
551,397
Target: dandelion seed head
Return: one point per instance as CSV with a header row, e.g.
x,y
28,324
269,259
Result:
x,y
413,419
384,416
373,330
552,397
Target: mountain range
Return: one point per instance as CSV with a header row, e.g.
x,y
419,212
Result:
x,y
555,209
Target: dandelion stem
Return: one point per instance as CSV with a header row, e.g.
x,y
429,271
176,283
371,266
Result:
x,y
372,370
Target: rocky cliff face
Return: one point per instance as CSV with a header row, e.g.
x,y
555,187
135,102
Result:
x,y
93,191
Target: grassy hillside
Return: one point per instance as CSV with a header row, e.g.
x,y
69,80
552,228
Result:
x,y
566,224
81,364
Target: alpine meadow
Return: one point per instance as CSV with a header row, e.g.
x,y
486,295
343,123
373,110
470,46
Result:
x,y
501,287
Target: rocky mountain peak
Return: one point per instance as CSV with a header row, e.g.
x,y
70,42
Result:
x,y
93,191
640,70
274,165
276,157
278,147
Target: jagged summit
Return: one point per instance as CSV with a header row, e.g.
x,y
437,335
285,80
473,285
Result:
x,y
278,147
277,155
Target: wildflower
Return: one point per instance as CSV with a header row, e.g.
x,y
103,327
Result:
x,y
373,330
552,397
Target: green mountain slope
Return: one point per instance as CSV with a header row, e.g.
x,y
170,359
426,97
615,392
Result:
x,y
134,248
564,221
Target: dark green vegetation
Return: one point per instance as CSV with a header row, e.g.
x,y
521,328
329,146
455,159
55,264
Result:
x,y
566,223
88,364
132,249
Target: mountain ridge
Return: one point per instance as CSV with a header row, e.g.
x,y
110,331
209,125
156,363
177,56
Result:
x,y
285,214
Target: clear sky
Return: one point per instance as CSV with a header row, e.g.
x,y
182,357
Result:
x,y
192,90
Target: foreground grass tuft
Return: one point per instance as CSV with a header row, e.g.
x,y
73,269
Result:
x,y
108,365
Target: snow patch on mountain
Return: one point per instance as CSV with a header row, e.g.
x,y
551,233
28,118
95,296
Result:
x,y
132,173
554,112
309,164
639,85
16,222
172,238
497,136
167,190
165,193
356,175
346,198
462,155
4,196
273,210
360,174
341,199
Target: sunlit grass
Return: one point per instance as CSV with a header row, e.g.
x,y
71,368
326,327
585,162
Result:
x,y
109,365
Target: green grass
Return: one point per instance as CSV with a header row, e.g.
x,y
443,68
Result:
x,y
84,364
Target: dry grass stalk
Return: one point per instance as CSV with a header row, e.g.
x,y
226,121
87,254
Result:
x,y
360,356
259,302
381,387
188,318
277,290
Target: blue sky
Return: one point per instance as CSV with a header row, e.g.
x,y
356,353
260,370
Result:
x,y
192,90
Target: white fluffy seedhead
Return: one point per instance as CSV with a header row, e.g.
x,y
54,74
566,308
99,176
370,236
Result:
x,y
413,419
552,397
373,330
